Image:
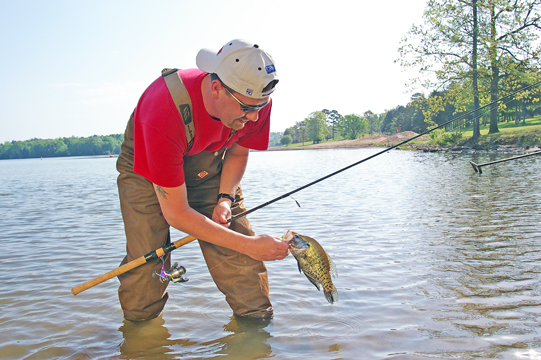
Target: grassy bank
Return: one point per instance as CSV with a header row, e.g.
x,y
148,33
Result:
x,y
524,134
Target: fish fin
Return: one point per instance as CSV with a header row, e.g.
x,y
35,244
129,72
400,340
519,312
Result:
x,y
316,284
331,296
299,265
333,271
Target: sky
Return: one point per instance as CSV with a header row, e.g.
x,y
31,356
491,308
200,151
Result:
x,y
77,68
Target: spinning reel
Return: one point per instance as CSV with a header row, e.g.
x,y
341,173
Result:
x,y
174,274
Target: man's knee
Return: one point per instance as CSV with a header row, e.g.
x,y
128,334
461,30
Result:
x,y
149,312
141,296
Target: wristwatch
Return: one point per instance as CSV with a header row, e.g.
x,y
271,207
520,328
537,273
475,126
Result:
x,y
227,196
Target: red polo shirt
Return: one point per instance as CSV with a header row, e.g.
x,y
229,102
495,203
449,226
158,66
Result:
x,y
159,138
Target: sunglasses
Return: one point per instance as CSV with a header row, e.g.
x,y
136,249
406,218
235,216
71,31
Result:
x,y
245,107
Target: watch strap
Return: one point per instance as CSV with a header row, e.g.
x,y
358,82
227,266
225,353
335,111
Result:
x,y
227,196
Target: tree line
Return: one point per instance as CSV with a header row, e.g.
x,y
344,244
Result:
x,y
330,124
418,116
67,146
473,52
468,53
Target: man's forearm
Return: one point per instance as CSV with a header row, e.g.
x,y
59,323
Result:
x,y
233,170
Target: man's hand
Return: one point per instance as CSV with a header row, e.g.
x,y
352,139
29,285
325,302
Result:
x,y
267,248
222,212
177,212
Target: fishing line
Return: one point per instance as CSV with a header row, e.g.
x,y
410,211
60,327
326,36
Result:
x,y
299,205
381,152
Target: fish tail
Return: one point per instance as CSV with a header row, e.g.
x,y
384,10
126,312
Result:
x,y
331,296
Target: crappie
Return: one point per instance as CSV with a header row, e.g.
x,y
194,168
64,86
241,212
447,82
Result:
x,y
314,262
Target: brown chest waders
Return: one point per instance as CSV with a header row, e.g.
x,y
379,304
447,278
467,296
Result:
x,y
240,278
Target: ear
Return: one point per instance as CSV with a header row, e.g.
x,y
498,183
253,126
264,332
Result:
x,y
215,88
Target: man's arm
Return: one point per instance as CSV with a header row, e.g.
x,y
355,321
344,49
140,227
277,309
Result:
x,y
235,161
177,212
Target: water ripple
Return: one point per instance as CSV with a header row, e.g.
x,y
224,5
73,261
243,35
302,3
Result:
x,y
434,261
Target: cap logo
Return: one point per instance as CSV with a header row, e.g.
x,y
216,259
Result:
x,y
270,69
249,92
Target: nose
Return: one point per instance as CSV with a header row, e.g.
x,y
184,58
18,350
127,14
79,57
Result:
x,y
252,115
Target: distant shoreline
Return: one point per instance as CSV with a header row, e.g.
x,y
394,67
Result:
x,y
420,144
379,140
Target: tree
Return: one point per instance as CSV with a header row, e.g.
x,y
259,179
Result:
x,y
511,37
286,140
300,131
291,132
351,126
316,128
374,122
332,119
108,145
442,48
475,73
72,146
468,41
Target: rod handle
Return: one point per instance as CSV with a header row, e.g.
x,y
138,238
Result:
x,y
109,275
126,267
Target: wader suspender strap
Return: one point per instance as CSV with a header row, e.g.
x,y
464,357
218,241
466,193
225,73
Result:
x,y
182,100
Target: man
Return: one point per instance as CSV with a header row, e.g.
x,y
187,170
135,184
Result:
x,y
184,171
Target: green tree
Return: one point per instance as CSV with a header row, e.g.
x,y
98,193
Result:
x,y
374,122
275,138
446,46
72,146
511,36
351,126
300,131
332,119
286,140
291,132
468,41
316,128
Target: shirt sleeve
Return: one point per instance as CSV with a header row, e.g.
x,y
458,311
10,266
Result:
x,y
157,158
159,140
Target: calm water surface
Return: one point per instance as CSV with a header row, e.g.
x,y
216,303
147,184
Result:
x,y
434,262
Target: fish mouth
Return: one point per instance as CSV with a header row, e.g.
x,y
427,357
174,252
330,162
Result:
x,y
297,251
288,236
297,245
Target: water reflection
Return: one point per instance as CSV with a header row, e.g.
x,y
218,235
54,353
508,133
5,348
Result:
x,y
484,276
434,261
246,339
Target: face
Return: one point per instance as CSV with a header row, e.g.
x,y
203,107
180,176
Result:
x,y
238,109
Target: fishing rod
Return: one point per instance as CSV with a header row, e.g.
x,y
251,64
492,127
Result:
x,y
379,153
176,275
477,167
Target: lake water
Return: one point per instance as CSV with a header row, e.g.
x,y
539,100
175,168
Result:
x,y
434,262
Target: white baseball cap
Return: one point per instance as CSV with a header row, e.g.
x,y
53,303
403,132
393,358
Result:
x,y
242,66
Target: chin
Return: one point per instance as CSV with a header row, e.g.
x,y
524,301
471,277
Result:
x,y
238,124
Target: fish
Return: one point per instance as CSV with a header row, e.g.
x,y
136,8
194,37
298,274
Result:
x,y
314,262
